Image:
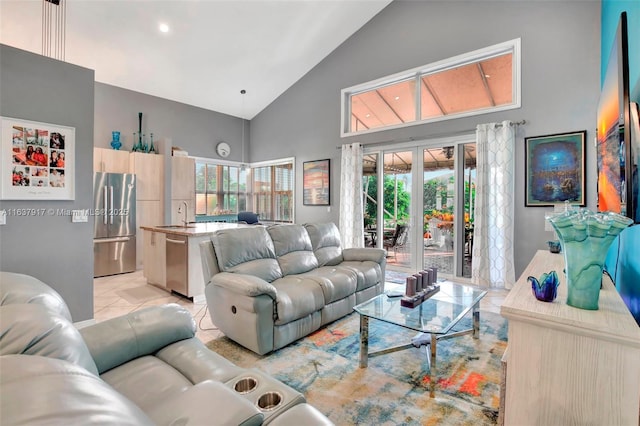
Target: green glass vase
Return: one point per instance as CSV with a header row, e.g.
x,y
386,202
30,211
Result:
x,y
585,237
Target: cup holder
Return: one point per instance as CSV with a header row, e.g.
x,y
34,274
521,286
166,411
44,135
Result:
x,y
245,385
269,401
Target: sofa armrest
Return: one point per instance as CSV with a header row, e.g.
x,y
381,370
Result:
x,y
372,254
245,285
119,340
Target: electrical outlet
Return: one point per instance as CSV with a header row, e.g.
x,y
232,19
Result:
x,y
3,217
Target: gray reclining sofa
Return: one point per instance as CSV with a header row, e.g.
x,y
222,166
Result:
x,y
144,368
269,286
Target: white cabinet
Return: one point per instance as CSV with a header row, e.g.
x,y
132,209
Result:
x,y
149,171
110,160
567,365
183,188
155,258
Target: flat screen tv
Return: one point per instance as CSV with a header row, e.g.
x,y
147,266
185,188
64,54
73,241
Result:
x,y
617,153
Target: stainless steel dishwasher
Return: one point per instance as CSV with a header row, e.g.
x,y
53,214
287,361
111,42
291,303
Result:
x,y
177,250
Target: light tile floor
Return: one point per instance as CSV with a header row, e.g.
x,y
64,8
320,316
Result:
x,y
120,294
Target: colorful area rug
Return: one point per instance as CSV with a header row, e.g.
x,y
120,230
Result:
x,y
394,389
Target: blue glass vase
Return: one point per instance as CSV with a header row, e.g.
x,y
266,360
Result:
x,y
585,237
115,140
545,289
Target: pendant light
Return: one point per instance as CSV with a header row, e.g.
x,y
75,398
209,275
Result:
x,y
242,92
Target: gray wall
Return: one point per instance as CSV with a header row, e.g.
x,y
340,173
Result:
x,y
560,87
51,248
194,129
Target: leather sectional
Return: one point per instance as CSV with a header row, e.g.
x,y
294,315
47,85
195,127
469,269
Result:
x,y
269,286
144,368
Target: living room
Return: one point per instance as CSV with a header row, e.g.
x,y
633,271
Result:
x,y
563,44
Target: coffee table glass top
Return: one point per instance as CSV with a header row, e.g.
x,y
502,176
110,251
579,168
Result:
x,y
438,314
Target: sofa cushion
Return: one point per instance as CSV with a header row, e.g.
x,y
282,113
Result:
x,y
293,249
369,273
20,288
325,240
336,283
34,330
297,297
247,251
146,380
36,390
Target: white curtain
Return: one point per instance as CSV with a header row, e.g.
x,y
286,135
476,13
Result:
x,y
492,262
351,216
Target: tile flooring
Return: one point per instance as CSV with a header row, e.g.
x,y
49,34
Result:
x,y
120,294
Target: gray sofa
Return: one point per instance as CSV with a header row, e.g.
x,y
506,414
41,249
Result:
x,y
144,368
269,286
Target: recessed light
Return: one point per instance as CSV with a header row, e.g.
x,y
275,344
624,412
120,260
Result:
x,y
164,28
397,98
487,76
368,115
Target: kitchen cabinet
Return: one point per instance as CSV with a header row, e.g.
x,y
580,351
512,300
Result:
x,y
154,252
566,365
110,160
179,257
149,171
183,188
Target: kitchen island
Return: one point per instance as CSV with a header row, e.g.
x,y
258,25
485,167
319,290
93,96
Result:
x,y
171,256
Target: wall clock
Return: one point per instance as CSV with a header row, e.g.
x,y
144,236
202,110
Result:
x,y
223,149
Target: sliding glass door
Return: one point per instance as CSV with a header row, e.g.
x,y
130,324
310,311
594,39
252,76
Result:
x,y
426,204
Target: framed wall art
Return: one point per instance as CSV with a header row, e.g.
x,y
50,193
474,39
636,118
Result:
x,y
37,160
316,183
555,169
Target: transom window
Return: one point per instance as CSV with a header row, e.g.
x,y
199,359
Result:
x,y
478,82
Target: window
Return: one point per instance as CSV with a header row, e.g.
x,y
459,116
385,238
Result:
x,y
478,82
225,188
220,189
272,193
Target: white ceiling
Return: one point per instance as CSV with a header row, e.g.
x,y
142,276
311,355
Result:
x,y
214,48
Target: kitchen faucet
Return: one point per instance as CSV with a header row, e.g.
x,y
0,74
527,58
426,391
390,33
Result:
x,y
183,209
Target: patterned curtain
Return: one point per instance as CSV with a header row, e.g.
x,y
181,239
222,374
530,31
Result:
x,y
351,216
492,262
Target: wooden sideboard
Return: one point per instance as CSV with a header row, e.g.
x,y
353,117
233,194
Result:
x,y
566,365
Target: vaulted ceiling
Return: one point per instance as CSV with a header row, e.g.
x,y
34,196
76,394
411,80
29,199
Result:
x,y
211,51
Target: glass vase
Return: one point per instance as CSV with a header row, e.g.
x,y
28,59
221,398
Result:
x,y
585,237
115,140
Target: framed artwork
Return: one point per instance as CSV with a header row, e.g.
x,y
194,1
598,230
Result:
x,y
315,183
554,169
37,160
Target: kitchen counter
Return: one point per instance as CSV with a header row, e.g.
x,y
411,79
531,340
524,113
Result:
x,y
193,229
172,256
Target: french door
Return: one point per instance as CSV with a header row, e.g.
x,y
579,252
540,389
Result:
x,y
418,204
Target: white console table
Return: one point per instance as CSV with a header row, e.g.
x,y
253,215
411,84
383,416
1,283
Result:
x,y
569,366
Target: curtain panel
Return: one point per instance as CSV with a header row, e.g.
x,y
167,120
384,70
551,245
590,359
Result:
x,y
492,262
351,215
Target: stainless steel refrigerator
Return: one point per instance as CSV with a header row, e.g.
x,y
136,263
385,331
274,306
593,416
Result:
x,y
114,237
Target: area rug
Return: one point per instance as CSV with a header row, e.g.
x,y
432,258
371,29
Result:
x,y
394,389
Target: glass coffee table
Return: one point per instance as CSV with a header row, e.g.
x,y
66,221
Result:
x,y
434,319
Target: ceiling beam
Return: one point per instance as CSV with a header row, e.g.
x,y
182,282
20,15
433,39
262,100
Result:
x,y
485,83
389,105
432,92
